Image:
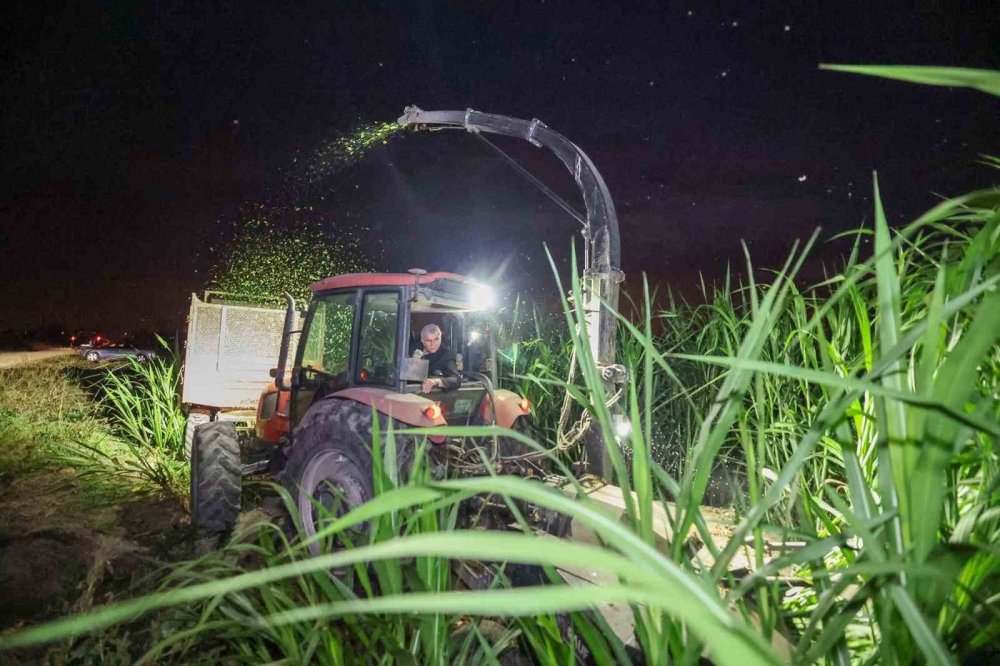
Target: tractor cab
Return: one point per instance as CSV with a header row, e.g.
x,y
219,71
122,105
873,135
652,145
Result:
x,y
360,341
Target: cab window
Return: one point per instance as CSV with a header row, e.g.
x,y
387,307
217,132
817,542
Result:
x,y
327,347
377,338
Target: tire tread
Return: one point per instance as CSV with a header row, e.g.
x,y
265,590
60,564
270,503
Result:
x,y
216,502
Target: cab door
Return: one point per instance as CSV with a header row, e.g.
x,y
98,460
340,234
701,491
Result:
x,y
323,358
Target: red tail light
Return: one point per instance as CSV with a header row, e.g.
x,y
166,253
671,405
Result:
x,y
433,412
525,405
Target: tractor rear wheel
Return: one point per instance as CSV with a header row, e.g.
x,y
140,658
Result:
x,y
331,484
330,462
216,479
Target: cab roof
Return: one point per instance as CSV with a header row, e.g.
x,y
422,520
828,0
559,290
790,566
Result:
x,y
353,280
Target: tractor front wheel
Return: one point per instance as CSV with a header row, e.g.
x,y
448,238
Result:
x,y
331,485
329,469
216,479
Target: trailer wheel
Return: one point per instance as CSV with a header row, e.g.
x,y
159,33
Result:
x,y
330,462
216,478
194,420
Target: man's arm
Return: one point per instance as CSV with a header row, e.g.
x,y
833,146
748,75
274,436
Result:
x,y
449,378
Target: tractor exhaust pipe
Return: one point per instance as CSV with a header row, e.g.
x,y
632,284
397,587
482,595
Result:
x,y
286,336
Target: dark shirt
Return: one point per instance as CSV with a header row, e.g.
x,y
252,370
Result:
x,y
442,363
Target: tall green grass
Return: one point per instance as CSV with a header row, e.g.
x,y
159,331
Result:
x,y
863,412
144,452
42,406
533,359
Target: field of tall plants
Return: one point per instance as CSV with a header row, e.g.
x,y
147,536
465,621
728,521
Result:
x,y
851,425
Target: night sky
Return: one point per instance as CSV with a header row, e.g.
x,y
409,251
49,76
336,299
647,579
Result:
x,y
134,135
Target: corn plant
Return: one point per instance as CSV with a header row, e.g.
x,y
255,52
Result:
x,y
142,400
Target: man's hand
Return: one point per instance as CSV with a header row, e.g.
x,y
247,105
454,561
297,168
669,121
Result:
x,y
430,383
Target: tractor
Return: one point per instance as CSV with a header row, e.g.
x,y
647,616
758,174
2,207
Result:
x,y
355,363
351,364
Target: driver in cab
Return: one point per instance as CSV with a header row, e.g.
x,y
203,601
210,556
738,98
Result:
x,y
442,370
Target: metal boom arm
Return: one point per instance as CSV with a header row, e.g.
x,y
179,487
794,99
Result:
x,y
602,272
601,231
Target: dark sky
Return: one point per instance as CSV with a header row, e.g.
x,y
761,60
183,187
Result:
x,y
133,133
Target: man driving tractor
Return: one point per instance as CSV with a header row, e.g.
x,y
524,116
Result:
x,y
442,370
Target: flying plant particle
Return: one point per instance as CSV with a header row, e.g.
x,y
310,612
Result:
x,y
346,150
284,243
266,259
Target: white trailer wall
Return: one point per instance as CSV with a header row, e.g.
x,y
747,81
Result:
x,y
230,349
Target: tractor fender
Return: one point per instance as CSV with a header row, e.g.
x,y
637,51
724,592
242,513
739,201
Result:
x,y
510,406
406,407
272,414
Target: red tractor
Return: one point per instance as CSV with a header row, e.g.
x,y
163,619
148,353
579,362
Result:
x,y
352,364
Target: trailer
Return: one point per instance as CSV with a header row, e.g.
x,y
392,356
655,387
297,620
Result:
x,y
232,344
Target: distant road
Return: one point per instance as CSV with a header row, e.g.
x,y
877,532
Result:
x,y
10,359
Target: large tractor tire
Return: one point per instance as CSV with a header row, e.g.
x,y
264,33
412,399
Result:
x,y
194,420
216,478
330,461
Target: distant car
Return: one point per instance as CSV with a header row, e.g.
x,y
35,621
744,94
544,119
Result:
x,y
109,350
87,339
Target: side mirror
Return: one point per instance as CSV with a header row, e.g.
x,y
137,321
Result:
x,y
280,373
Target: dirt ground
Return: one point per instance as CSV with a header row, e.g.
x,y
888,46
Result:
x,y
63,546
59,554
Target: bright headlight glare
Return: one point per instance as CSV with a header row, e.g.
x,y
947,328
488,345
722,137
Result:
x,y
473,336
483,297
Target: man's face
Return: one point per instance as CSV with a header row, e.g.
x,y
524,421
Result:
x,y
431,342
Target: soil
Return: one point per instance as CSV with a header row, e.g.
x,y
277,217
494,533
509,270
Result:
x,y
59,553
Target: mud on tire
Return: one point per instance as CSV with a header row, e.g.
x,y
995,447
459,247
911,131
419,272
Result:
x,y
216,478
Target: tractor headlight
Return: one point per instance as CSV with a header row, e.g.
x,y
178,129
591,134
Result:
x,y
483,297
